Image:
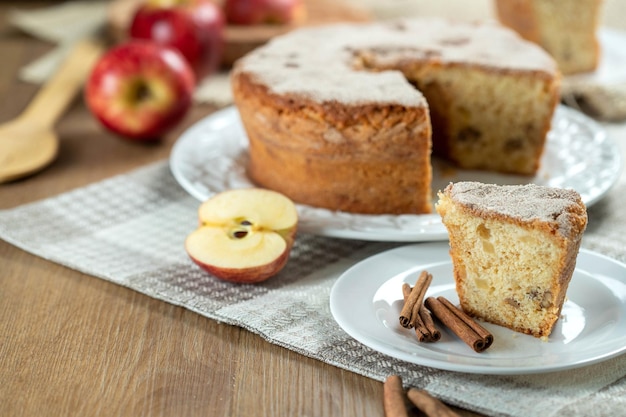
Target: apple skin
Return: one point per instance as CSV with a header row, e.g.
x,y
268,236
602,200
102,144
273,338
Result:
x,y
194,27
140,90
245,235
256,12
251,275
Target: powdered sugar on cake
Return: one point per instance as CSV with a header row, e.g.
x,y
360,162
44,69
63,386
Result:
x,y
319,62
524,202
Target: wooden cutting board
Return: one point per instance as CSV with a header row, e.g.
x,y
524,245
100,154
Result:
x,y
242,39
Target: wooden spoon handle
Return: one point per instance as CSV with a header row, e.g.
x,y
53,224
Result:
x,y
58,92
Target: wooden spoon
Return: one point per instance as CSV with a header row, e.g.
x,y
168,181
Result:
x,y
28,143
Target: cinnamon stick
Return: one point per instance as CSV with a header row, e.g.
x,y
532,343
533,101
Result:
x,y
409,314
480,330
406,290
425,327
422,284
427,319
429,405
393,397
472,333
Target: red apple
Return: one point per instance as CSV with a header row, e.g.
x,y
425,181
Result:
x,y
194,27
255,12
140,89
245,235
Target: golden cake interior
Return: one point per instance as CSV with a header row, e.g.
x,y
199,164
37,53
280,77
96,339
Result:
x,y
484,119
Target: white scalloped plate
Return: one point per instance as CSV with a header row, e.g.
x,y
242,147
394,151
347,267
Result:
x,y
211,155
366,301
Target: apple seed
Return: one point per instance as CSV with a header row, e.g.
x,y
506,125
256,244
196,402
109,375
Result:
x,y
240,234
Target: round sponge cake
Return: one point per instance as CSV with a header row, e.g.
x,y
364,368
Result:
x,y
345,116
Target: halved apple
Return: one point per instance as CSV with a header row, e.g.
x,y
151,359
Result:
x,y
245,235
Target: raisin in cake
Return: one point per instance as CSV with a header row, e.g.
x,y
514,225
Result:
x,y
513,250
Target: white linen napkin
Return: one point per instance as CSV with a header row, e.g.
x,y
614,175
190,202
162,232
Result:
x,y
62,25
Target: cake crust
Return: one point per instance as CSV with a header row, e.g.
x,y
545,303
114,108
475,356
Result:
x,y
367,158
556,211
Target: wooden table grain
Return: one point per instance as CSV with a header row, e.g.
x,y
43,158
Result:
x,y
75,345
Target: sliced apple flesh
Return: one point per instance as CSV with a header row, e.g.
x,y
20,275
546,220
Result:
x,y
245,235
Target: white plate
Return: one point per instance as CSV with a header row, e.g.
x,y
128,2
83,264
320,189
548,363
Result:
x,y
366,302
211,157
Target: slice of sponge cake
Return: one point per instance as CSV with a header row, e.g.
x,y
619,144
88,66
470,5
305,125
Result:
x,y
513,250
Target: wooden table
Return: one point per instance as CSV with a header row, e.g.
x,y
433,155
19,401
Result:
x,y
72,344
